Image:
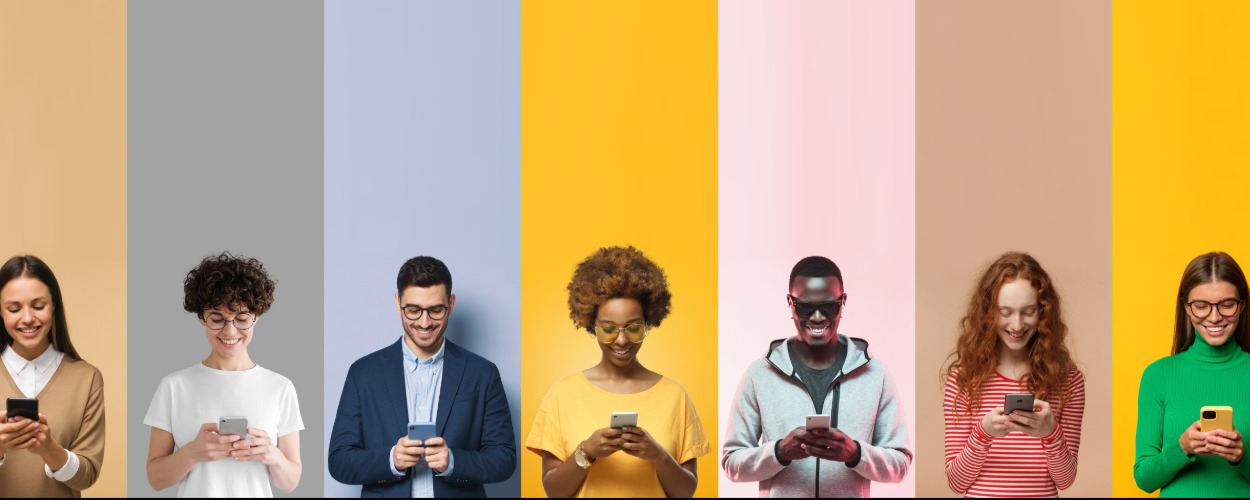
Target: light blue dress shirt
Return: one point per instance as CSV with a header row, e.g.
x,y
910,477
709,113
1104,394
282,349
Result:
x,y
423,381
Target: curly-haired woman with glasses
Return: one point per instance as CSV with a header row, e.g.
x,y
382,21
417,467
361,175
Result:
x,y
618,295
1209,366
1013,341
229,294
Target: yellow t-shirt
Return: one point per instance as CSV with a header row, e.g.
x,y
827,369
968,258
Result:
x,y
574,409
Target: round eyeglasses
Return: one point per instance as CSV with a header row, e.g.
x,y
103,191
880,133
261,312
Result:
x,y
241,322
634,332
436,313
1201,308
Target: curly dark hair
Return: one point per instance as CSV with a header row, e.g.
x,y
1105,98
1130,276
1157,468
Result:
x,y
226,280
613,273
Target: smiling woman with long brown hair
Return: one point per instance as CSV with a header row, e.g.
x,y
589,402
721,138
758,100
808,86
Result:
x,y
1012,340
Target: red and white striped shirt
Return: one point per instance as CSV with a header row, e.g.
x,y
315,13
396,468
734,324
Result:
x,y
1017,465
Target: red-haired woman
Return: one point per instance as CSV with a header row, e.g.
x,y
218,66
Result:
x,y
1012,340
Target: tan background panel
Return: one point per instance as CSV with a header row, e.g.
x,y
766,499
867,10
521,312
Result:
x,y
1013,138
63,179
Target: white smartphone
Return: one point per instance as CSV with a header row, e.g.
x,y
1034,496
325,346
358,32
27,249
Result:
x,y
817,422
1013,402
233,426
624,419
421,431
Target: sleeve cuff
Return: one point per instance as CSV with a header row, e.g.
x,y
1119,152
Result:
x,y
777,453
390,457
981,438
451,464
1055,436
859,454
67,471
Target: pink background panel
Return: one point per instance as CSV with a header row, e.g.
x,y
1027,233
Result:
x,y
817,156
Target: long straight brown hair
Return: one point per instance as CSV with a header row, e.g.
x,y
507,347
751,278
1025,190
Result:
x,y
32,267
1209,268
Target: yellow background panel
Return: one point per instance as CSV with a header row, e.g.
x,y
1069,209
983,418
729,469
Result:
x,y
618,131
1181,146
63,179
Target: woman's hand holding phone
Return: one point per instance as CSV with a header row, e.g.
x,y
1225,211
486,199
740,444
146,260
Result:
x,y
995,423
209,446
17,433
258,448
639,443
603,443
1218,442
1039,423
47,448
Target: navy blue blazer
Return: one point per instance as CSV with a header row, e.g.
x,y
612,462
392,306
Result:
x,y
473,418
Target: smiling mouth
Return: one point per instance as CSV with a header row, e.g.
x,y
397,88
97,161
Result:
x,y
1018,335
231,342
1215,330
818,330
28,331
622,353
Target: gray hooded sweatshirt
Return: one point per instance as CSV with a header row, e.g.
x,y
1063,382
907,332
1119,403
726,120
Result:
x,y
771,401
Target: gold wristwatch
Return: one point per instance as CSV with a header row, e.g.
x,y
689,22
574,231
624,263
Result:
x,y
580,457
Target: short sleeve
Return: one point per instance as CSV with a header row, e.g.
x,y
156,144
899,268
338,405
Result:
x,y
694,443
289,418
545,433
160,412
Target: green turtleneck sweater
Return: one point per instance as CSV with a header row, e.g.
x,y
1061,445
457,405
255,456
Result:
x,y
1173,390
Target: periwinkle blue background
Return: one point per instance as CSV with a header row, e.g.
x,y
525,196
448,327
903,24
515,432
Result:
x,y
422,157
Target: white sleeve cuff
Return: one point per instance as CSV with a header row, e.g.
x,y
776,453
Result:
x,y
391,459
67,471
451,464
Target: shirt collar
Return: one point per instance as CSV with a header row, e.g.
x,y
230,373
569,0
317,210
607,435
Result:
x,y
410,358
41,363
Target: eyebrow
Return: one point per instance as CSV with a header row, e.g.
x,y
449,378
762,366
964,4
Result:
x,y
32,301
635,320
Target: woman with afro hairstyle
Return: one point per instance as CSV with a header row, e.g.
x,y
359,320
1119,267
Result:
x,y
1012,340
618,296
228,294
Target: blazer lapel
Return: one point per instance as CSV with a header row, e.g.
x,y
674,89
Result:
x,y
393,383
453,372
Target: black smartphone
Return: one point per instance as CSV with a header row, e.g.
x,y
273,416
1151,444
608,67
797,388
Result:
x,y
23,407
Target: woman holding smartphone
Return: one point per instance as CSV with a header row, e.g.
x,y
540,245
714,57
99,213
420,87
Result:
x,y
229,294
618,295
1208,367
1012,340
60,453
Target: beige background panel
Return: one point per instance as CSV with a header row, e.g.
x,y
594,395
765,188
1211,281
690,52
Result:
x,y
1013,152
63,179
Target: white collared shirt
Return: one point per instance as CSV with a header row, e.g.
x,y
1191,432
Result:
x,y
31,376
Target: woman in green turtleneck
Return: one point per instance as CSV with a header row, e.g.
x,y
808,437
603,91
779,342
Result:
x,y
1209,366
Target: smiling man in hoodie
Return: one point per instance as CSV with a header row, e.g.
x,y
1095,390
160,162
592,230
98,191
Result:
x,y
816,372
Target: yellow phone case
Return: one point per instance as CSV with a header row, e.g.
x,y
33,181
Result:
x,y
1222,418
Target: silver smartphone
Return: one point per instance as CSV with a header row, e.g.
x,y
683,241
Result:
x,y
421,431
233,426
817,422
624,419
1013,402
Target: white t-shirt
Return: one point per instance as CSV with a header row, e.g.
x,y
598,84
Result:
x,y
189,398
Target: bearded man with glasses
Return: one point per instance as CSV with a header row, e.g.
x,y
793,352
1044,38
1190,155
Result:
x,y
822,374
423,381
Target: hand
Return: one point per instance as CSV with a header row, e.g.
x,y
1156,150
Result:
x,y
603,443
1040,423
47,447
209,446
17,433
995,423
1193,440
407,453
791,446
638,442
829,444
436,454
1225,444
258,448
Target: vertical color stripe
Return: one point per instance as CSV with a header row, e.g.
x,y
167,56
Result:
x,y
422,141
817,121
1180,128
1013,152
619,148
225,154
63,172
